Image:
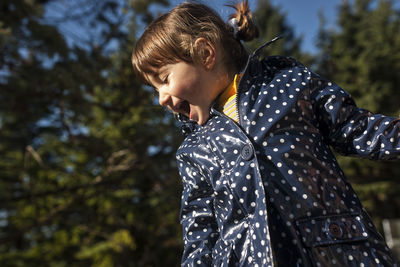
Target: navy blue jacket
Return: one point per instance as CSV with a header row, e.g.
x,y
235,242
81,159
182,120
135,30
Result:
x,y
268,191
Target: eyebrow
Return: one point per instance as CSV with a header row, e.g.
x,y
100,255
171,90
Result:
x,y
162,69
154,79
157,75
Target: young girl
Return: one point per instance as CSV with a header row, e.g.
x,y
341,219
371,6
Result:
x,y
261,186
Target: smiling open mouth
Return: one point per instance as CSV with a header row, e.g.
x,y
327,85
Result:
x,y
183,107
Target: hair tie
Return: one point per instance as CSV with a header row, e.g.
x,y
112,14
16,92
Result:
x,y
233,22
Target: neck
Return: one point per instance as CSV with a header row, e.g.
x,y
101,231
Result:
x,y
224,73
225,79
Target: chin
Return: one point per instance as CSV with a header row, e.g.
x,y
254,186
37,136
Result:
x,y
203,120
200,117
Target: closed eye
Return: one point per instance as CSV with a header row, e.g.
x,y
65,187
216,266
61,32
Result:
x,y
164,80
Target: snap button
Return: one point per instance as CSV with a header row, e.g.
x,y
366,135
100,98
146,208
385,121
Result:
x,y
247,152
335,230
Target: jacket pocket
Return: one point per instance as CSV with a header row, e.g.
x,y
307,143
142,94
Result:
x,y
332,229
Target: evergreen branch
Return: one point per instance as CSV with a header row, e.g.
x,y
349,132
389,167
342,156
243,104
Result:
x,y
126,163
31,151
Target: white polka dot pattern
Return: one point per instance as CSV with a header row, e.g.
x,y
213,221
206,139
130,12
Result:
x,y
270,192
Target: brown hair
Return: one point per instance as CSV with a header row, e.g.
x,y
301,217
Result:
x,y
171,37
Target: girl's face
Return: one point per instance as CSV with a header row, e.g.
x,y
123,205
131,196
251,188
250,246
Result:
x,y
189,89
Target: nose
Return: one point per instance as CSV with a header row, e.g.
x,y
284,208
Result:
x,y
163,98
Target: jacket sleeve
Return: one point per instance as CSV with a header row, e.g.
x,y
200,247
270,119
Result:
x,y
352,130
197,215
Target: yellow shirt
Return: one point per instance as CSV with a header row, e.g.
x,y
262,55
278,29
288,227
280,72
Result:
x,y
226,101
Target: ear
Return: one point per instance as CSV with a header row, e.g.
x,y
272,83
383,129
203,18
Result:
x,y
206,53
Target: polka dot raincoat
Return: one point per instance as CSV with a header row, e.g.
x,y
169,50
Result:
x,y
268,191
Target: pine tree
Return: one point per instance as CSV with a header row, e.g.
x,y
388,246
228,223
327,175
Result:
x,y
272,22
88,175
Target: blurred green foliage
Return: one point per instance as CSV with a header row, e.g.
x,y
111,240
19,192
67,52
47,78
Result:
x,y
87,168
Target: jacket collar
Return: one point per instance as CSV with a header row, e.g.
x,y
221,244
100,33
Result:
x,y
250,69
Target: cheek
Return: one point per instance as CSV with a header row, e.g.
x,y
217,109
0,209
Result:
x,y
189,87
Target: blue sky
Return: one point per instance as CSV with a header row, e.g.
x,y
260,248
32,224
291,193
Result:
x,y
302,15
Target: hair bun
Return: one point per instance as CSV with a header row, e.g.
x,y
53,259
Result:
x,y
242,22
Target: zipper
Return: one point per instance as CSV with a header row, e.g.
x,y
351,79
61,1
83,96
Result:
x,y
238,91
246,73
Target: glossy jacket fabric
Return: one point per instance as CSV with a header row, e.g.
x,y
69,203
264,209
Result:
x,y
269,192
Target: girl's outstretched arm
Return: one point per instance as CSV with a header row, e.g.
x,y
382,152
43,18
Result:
x,y
352,130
